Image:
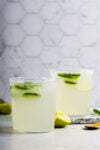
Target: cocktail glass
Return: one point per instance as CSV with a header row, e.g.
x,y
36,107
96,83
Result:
x,y
33,104
73,91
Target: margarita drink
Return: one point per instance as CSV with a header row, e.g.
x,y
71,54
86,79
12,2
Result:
x,y
33,104
73,92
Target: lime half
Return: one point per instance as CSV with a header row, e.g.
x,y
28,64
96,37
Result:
x,y
5,109
61,119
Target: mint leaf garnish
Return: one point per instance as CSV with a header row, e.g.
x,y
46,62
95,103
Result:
x,y
70,82
69,75
96,111
25,86
70,78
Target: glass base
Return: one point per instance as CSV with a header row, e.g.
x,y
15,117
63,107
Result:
x,y
32,131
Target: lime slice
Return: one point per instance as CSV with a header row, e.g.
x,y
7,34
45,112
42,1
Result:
x,y
70,82
31,94
5,109
61,120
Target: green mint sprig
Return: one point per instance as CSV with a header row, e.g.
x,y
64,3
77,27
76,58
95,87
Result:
x,y
96,111
25,86
69,77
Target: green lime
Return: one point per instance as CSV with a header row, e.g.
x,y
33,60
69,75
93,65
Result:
x,y
61,119
5,109
2,101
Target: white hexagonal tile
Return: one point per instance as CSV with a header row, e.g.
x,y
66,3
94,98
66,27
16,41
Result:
x,y
3,67
2,47
13,57
97,66
70,24
51,35
51,0
3,24
2,4
97,3
95,102
13,12
88,35
70,46
12,0
32,46
89,56
2,88
13,35
32,24
89,13
51,12
6,96
10,73
70,6
69,63
32,67
98,24
45,73
95,79
32,5
51,56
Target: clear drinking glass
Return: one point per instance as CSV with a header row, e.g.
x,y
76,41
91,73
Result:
x,y
33,104
73,91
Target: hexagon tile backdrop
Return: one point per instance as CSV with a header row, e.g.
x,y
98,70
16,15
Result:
x,y
36,35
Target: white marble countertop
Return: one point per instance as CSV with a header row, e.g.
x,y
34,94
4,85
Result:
x,y
73,137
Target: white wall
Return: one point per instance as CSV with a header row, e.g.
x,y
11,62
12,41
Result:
x,y
36,35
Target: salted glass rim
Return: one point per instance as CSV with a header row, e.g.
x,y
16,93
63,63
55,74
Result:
x,y
89,71
30,79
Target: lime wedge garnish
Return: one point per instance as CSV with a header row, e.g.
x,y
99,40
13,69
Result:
x,y
61,119
31,94
70,82
69,75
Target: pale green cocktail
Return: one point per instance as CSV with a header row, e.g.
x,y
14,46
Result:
x,y
73,92
33,104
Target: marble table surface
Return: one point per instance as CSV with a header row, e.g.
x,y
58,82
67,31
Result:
x,y
73,137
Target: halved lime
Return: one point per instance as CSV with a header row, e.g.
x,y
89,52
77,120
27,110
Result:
x,y
5,108
61,119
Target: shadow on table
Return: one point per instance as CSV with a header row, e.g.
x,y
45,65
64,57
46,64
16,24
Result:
x,y
6,124
6,130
